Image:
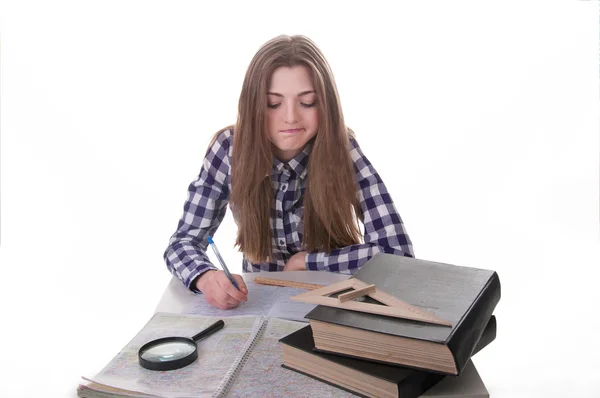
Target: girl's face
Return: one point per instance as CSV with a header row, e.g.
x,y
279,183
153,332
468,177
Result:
x,y
292,113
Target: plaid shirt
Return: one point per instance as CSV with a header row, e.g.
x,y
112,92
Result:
x,y
208,198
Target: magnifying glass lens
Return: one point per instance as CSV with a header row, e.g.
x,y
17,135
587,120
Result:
x,y
168,351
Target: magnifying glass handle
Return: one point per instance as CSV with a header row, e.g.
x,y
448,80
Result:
x,y
209,330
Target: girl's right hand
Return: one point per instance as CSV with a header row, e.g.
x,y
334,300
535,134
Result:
x,y
219,290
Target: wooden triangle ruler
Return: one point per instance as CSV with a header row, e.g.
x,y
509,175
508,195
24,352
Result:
x,y
391,305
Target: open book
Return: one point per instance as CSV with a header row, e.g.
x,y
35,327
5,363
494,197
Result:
x,y
266,300
243,358
269,301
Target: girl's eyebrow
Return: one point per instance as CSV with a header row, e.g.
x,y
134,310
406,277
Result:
x,y
299,95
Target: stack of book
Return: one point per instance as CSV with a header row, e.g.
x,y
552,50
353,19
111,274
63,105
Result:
x,y
377,355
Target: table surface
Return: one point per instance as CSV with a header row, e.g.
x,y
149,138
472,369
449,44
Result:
x,y
520,363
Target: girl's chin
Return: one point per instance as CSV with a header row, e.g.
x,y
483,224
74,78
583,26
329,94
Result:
x,y
287,153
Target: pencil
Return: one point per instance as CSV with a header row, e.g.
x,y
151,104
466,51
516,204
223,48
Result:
x,y
214,247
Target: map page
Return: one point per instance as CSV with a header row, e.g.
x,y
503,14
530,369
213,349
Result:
x,y
217,355
262,375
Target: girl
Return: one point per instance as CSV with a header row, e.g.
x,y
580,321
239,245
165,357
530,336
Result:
x,y
294,177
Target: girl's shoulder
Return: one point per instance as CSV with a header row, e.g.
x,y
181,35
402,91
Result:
x,y
355,151
222,138
221,143
219,151
352,139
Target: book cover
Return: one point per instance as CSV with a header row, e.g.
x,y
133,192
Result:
x,y
410,382
464,296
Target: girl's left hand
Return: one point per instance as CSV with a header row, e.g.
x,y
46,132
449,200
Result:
x,y
296,263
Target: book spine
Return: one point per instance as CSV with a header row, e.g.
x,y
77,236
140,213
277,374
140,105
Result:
x,y
418,383
463,341
421,381
241,358
489,335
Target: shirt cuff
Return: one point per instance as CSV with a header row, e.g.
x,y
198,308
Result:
x,y
190,282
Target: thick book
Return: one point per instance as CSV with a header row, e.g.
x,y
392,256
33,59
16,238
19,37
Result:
x,y
464,296
366,378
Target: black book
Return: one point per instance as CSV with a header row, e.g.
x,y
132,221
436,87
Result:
x,y
361,377
464,296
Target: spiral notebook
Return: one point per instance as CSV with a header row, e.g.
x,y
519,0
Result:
x,y
245,356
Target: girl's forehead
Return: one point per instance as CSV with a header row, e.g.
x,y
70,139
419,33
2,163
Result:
x,y
291,80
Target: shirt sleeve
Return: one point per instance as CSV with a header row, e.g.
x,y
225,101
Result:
x,y
203,212
383,228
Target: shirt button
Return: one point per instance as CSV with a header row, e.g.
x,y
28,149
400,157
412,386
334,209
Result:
x,y
281,242
279,214
283,187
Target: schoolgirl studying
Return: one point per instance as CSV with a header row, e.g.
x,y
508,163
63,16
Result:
x,y
295,178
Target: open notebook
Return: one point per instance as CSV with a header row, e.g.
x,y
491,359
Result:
x,y
245,356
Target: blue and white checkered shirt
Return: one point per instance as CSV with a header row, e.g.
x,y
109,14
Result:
x,y
207,202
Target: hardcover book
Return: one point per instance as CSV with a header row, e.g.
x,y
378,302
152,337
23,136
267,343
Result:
x,y
367,378
463,296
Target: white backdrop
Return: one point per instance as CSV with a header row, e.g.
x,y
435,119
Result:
x,y
482,120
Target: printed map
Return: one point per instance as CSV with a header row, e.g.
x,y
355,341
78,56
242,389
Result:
x,y
263,376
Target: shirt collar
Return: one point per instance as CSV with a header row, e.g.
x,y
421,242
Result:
x,y
298,164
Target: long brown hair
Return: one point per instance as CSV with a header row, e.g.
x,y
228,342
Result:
x,y
331,206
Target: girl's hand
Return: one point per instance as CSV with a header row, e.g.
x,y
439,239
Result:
x,y
296,263
219,290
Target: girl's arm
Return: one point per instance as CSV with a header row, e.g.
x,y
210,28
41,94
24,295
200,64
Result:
x,y
383,227
204,210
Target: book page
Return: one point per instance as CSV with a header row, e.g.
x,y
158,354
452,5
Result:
x,y
285,308
264,300
177,297
260,301
262,375
216,356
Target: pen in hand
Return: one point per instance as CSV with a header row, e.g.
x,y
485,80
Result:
x,y
214,247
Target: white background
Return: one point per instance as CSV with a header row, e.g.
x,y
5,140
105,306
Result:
x,y
482,118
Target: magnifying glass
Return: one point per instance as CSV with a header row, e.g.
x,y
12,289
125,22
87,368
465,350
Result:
x,y
169,353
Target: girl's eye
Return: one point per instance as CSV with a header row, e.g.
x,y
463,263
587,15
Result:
x,y
275,106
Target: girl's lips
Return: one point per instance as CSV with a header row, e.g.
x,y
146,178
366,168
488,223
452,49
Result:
x,y
291,131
